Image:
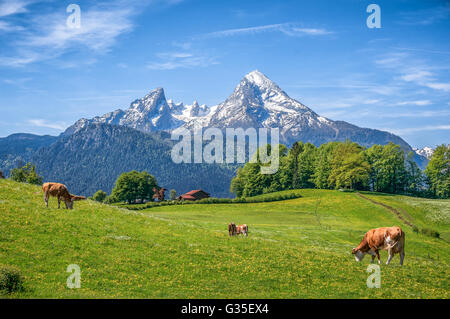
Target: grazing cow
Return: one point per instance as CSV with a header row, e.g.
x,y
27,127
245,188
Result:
x,y
391,239
1,175
60,191
242,229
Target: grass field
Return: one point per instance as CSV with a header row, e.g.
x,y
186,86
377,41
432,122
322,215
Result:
x,y
292,251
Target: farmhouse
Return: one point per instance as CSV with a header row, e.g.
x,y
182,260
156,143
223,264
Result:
x,y
194,195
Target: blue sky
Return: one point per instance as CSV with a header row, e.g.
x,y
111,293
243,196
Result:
x,y
321,53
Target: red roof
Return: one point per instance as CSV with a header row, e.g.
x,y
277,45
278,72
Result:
x,y
194,191
195,195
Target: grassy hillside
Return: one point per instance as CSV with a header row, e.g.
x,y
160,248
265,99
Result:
x,y
185,251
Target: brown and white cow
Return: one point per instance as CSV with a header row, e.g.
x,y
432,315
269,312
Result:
x,y
237,230
59,191
391,239
242,230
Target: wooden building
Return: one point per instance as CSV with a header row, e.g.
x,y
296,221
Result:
x,y
194,195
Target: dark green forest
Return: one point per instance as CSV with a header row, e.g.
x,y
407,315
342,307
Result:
x,y
348,166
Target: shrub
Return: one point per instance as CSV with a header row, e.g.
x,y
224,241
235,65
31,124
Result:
x,y
430,232
270,197
10,279
110,200
99,196
26,174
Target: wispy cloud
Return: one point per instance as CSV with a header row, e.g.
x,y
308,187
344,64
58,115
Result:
x,y
8,27
99,29
413,70
44,123
422,50
419,75
11,7
411,130
438,86
46,36
418,102
426,16
289,29
175,60
18,82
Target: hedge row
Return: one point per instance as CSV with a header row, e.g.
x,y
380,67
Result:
x,y
213,200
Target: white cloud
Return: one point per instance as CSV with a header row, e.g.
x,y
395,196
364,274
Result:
x,y
286,28
47,36
8,27
413,70
410,130
418,102
426,16
11,7
175,60
310,31
43,123
99,29
19,82
438,86
20,60
416,76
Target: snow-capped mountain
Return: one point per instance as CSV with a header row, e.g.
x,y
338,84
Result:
x,y
150,113
426,151
259,102
256,102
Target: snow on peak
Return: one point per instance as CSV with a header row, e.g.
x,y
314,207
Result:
x,y
426,152
256,102
258,78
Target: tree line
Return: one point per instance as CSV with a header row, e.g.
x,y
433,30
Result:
x,y
348,166
334,165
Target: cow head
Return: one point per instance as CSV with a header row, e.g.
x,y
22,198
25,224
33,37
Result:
x,y
69,203
359,255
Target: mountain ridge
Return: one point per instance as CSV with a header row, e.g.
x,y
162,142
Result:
x,y
93,158
256,102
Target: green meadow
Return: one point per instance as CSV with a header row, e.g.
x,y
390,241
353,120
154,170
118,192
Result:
x,y
297,248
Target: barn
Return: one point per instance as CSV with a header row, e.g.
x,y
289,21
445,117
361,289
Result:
x,y
194,195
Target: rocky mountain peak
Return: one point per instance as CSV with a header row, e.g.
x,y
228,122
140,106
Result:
x,y
256,102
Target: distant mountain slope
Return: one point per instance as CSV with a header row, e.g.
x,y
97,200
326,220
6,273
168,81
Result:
x,y
97,154
20,147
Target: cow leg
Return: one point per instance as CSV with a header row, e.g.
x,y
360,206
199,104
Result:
x,y
391,254
59,202
402,255
372,253
46,199
378,256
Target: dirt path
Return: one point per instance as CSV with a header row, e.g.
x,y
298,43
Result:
x,y
402,215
